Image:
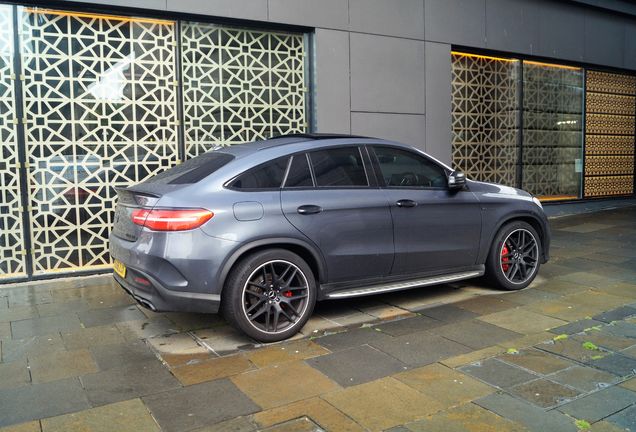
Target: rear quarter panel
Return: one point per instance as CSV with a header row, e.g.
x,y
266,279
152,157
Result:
x,y
247,219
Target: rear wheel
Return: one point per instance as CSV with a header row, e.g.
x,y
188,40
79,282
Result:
x,y
514,259
270,295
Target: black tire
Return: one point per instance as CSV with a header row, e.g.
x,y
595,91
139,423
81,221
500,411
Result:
x,y
501,262
258,311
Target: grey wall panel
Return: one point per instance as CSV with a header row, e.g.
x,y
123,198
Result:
x,y
388,17
629,60
332,14
406,128
512,25
387,74
332,91
438,101
561,31
143,4
247,9
604,39
461,22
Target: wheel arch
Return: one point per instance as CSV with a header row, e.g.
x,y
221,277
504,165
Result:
x,y
535,222
308,253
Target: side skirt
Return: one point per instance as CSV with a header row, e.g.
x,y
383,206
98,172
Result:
x,y
404,284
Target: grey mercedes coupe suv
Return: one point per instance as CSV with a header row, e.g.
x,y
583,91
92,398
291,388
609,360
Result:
x,y
261,231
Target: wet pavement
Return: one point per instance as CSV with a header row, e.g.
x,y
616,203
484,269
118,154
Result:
x,y
558,356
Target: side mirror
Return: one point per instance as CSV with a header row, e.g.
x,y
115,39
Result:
x,y
456,180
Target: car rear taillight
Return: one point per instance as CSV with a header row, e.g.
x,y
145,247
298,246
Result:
x,y
171,219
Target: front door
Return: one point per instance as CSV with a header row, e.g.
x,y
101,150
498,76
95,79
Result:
x,y
434,229
340,212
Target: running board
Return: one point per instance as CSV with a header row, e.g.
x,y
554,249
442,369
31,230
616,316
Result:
x,y
398,286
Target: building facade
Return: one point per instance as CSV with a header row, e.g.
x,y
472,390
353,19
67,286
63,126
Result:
x,y
538,94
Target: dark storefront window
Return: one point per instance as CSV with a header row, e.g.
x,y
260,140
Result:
x,y
543,127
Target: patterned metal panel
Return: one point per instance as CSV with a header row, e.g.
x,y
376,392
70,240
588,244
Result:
x,y
609,144
610,127
609,165
485,117
607,124
607,186
605,82
12,260
100,107
240,85
552,130
610,103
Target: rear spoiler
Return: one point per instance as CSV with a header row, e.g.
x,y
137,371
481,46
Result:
x,y
134,190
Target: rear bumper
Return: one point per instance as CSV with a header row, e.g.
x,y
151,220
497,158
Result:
x,y
178,270
159,299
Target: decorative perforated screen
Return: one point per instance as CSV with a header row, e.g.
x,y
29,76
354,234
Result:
x,y
12,250
240,85
100,109
485,106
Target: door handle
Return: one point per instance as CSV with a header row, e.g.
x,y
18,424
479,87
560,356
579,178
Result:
x,y
309,209
406,203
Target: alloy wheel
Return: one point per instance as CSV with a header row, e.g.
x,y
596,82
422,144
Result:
x,y
275,296
519,256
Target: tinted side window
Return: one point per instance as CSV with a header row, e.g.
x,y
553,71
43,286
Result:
x,y
403,168
266,176
299,174
338,167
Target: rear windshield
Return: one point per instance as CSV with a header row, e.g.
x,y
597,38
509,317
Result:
x,y
192,170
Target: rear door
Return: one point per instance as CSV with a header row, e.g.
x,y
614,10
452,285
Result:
x,y
330,195
434,229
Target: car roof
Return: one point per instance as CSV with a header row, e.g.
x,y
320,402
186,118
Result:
x,y
254,153
251,154
241,150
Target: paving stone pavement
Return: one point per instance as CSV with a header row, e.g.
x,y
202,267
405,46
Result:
x,y
78,355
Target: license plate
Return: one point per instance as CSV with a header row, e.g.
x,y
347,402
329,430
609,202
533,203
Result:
x,y
119,268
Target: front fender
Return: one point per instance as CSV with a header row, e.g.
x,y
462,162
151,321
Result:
x,y
491,229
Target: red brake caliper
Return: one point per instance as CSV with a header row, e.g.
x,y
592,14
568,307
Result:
x,y
287,293
504,258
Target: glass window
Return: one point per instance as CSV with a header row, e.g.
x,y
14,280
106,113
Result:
x,y
339,167
402,168
299,174
552,148
267,176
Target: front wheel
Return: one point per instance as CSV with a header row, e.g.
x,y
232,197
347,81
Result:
x,y
270,295
514,259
